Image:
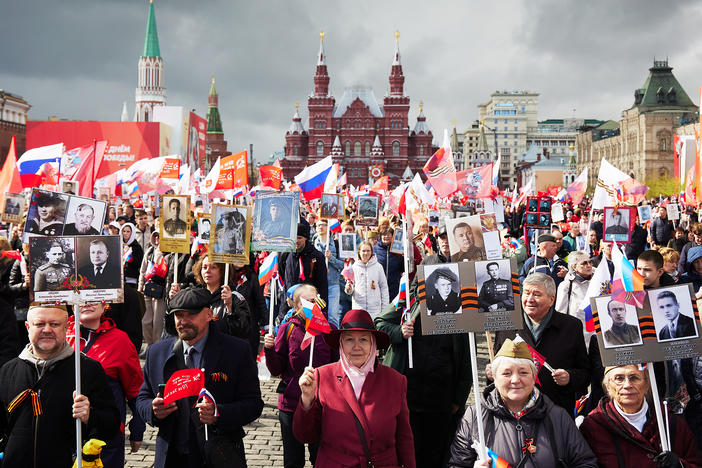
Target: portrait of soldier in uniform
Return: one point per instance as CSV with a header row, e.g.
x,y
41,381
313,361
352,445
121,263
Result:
x,y
464,239
329,207
620,333
83,220
175,225
442,290
13,206
368,207
495,290
204,228
231,232
616,225
51,275
277,224
46,213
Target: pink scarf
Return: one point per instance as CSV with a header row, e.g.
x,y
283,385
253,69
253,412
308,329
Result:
x,y
357,376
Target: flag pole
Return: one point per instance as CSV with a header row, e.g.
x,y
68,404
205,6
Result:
x,y
76,355
405,317
482,453
326,260
271,302
175,267
657,407
311,351
92,171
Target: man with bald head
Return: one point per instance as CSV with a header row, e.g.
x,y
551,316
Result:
x,y
39,407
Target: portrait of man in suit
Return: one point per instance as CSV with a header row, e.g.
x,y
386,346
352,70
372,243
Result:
x,y
667,311
101,271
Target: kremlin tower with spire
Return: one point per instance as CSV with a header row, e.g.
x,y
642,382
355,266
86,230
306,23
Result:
x,y
150,91
356,130
216,144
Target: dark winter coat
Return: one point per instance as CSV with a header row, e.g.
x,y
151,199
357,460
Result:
x,y
563,346
639,236
557,436
230,375
55,429
661,231
682,263
542,266
608,433
314,272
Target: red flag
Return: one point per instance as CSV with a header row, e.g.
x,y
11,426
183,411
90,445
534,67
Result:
x,y
554,191
690,188
441,172
233,172
380,185
476,182
183,383
12,254
270,176
89,167
9,176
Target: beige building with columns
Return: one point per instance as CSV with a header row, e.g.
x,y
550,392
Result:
x,y
641,143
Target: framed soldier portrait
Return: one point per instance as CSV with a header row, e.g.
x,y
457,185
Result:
x,y
443,289
433,217
204,227
619,323
368,210
465,238
174,223
331,206
13,208
347,245
397,246
52,268
673,211
672,313
494,285
275,219
232,233
69,187
618,224
645,213
84,217
46,214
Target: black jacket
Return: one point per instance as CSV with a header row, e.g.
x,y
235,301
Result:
x,y
314,271
638,243
55,427
563,346
661,231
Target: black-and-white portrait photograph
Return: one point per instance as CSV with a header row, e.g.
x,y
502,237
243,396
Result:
x,y
230,236
368,210
544,219
442,289
465,239
46,215
545,204
347,245
275,219
397,245
619,323
433,218
494,283
84,217
532,219
616,224
645,213
673,211
99,260
204,227
532,204
52,264
69,187
331,206
672,313
174,217
13,208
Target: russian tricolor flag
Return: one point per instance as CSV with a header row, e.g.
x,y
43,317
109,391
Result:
x,y
268,269
497,461
402,294
334,225
312,178
34,164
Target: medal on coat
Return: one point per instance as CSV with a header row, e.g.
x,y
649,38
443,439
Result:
x,y
529,446
373,284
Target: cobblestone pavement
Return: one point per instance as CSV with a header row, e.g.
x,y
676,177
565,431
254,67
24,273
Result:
x,y
264,447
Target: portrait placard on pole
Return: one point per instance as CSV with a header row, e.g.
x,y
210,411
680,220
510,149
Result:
x,y
232,234
174,223
275,219
667,327
13,208
331,206
469,297
368,210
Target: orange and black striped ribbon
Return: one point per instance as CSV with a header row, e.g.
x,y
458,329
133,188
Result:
x,y
515,283
34,397
421,290
596,321
469,297
696,310
648,329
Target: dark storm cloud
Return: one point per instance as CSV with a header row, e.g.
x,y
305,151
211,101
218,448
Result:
x,y
77,59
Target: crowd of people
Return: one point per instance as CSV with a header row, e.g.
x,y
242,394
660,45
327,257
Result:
x,y
357,402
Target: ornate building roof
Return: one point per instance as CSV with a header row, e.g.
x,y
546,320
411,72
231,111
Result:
x,y
214,121
365,94
151,48
296,125
421,125
662,90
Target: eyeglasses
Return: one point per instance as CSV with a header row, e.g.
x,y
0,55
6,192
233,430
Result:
x,y
634,379
585,262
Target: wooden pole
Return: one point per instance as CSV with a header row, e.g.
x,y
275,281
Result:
x,y
657,407
482,453
76,355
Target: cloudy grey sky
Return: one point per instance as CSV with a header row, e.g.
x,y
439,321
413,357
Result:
x,y
77,59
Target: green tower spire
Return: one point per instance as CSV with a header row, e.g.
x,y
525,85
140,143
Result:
x,y
151,48
214,122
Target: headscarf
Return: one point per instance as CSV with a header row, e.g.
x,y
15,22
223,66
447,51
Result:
x,y
133,236
356,375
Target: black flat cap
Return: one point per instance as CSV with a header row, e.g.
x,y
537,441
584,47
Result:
x,y
546,238
191,300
